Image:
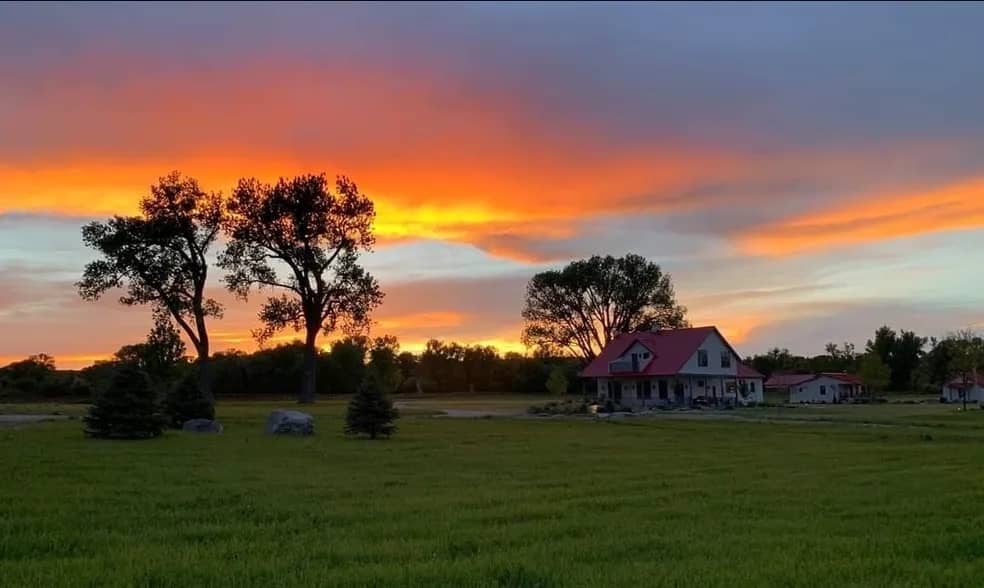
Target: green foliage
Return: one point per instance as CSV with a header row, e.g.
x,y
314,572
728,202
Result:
x,y
582,307
303,239
901,352
384,363
874,373
968,358
161,354
371,411
346,365
557,382
185,401
128,409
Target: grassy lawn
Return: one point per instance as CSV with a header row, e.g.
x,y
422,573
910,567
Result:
x,y
500,502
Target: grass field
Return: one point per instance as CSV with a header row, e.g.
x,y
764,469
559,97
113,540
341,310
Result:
x,y
504,502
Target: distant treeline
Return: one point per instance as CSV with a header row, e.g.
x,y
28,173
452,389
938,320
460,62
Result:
x,y
441,368
914,363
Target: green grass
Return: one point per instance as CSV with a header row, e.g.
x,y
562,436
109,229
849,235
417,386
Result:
x,y
500,502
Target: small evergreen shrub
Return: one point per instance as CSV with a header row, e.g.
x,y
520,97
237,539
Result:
x,y
371,412
127,409
185,401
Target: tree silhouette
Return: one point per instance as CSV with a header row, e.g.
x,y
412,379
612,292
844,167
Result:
x,y
583,307
160,258
298,236
128,409
371,412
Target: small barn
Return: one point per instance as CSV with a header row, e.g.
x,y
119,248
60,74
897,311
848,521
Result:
x,y
817,388
955,390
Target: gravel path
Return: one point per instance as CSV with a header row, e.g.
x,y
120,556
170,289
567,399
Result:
x,y
27,419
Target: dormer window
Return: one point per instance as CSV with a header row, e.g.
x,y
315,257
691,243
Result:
x,y
701,358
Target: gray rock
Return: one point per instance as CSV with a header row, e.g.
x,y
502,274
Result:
x,y
202,426
290,422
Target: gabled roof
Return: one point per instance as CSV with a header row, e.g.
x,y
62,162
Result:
x,y
671,349
843,377
787,380
745,371
958,382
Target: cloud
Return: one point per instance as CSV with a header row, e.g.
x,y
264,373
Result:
x,y
955,206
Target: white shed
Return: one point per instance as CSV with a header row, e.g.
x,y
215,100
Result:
x,y
955,390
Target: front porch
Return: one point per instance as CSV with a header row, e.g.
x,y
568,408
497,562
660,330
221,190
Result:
x,y
680,390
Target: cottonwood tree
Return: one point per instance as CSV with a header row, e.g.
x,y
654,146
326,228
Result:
x,y
874,373
298,236
160,258
584,306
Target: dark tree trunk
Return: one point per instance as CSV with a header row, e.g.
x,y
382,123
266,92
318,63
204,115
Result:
x,y
205,378
309,371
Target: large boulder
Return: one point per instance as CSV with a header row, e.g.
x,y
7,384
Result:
x,y
202,426
290,422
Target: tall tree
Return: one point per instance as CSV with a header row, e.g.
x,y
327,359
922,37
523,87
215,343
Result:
x,y
477,362
874,373
584,306
968,361
383,363
901,352
883,344
906,355
300,237
160,258
162,352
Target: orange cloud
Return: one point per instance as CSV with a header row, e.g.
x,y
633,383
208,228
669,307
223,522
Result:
x,y
436,319
951,207
441,160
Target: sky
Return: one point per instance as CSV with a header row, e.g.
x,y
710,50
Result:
x,y
805,172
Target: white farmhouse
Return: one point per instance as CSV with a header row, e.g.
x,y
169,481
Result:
x,y
673,367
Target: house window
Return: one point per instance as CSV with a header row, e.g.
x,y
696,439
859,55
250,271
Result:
x,y
645,355
725,359
700,383
701,358
663,393
823,390
647,390
751,386
616,391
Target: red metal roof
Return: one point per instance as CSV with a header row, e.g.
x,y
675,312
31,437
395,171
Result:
x,y
745,371
843,377
786,380
671,349
958,382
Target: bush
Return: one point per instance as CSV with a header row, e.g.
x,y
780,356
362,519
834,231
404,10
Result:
x,y
185,401
371,412
128,409
565,407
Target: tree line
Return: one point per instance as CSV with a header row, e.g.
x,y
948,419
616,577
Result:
x,y
897,361
442,367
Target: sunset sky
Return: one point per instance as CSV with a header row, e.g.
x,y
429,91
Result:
x,y
806,173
